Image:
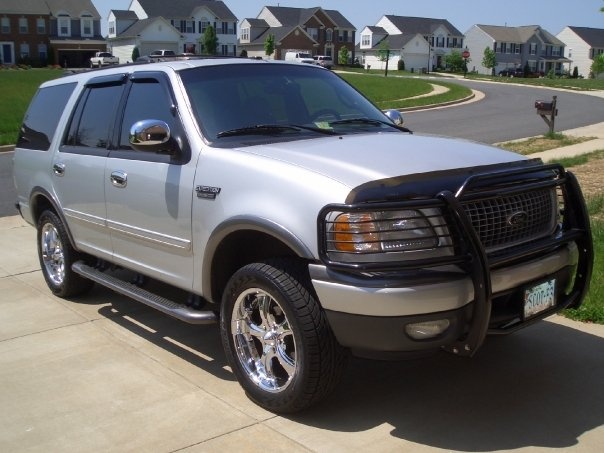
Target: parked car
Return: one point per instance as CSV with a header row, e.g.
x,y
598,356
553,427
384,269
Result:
x,y
103,59
162,55
299,57
274,199
324,61
511,72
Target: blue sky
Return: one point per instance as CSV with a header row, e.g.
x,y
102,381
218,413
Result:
x,y
553,15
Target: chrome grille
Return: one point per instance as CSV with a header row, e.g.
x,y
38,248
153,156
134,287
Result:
x,y
510,220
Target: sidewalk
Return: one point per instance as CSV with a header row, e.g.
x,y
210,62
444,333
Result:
x,y
103,373
595,130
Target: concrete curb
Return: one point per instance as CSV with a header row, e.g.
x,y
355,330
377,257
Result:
x,y
7,148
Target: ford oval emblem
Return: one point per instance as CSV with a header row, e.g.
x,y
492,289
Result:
x,y
517,219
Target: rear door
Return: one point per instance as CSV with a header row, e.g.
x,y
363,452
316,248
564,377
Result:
x,y
149,194
79,166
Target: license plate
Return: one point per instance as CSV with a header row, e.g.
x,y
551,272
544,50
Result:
x,y
539,298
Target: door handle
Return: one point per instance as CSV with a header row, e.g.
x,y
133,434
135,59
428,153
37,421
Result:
x,y
119,179
58,168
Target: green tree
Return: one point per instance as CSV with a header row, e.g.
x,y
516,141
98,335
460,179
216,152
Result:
x,y
343,55
269,45
597,67
243,53
384,50
489,59
135,53
455,62
576,73
209,41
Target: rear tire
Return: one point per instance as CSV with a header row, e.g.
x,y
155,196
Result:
x,y
277,339
56,257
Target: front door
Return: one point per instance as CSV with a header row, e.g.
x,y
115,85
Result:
x,y
149,194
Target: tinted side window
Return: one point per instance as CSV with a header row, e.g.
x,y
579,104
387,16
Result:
x,y
147,100
91,125
42,117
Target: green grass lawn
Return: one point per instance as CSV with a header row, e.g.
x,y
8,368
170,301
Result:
x,y
16,90
571,84
592,309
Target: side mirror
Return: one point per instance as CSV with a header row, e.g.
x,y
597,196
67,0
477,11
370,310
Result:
x,y
151,135
395,116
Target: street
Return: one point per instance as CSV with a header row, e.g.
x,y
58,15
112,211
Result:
x,y
506,113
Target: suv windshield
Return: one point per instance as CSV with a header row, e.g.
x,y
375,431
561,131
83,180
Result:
x,y
284,100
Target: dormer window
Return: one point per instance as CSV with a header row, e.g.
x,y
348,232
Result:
x,y
366,40
87,28
64,24
245,34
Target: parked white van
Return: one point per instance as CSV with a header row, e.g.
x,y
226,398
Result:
x,y
299,56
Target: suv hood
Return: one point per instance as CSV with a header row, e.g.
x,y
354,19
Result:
x,y
359,158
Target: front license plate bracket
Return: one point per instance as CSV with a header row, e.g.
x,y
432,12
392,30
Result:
x,y
539,298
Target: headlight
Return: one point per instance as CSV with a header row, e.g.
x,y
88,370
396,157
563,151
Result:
x,y
380,232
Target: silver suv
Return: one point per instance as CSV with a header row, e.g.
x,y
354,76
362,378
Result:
x,y
282,204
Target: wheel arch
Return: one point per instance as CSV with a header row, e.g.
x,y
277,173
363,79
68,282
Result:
x,y
39,201
244,240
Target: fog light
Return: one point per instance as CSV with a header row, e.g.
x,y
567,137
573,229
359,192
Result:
x,y
427,329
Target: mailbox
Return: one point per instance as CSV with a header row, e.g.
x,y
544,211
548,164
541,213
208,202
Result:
x,y
544,105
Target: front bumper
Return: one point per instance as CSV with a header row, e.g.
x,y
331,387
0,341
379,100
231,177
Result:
x,y
368,307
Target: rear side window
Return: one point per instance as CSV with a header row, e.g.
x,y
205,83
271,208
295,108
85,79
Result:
x,y
92,127
42,117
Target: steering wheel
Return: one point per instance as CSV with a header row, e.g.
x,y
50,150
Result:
x,y
327,113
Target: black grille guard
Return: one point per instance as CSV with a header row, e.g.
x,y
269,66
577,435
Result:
x,y
472,256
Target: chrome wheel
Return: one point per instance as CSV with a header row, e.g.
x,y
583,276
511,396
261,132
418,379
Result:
x,y
263,340
53,254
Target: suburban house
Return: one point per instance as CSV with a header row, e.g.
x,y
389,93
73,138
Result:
x,y
65,32
422,43
515,47
316,30
177,25
583,44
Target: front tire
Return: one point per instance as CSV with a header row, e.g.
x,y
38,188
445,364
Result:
x,y
277,339
56,257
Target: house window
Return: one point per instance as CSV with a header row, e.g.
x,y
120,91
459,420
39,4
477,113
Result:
x,y
329,35
556,51
41,26
23,28
225,49
86,29
204,24
24,50
5,25
517,48
111,28
64,22
42,52
440,41
366,40
190,26
245,34
224,28
313,32
533,48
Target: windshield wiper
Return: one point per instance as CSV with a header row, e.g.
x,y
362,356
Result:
x,y
268,129
373,122
257,129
